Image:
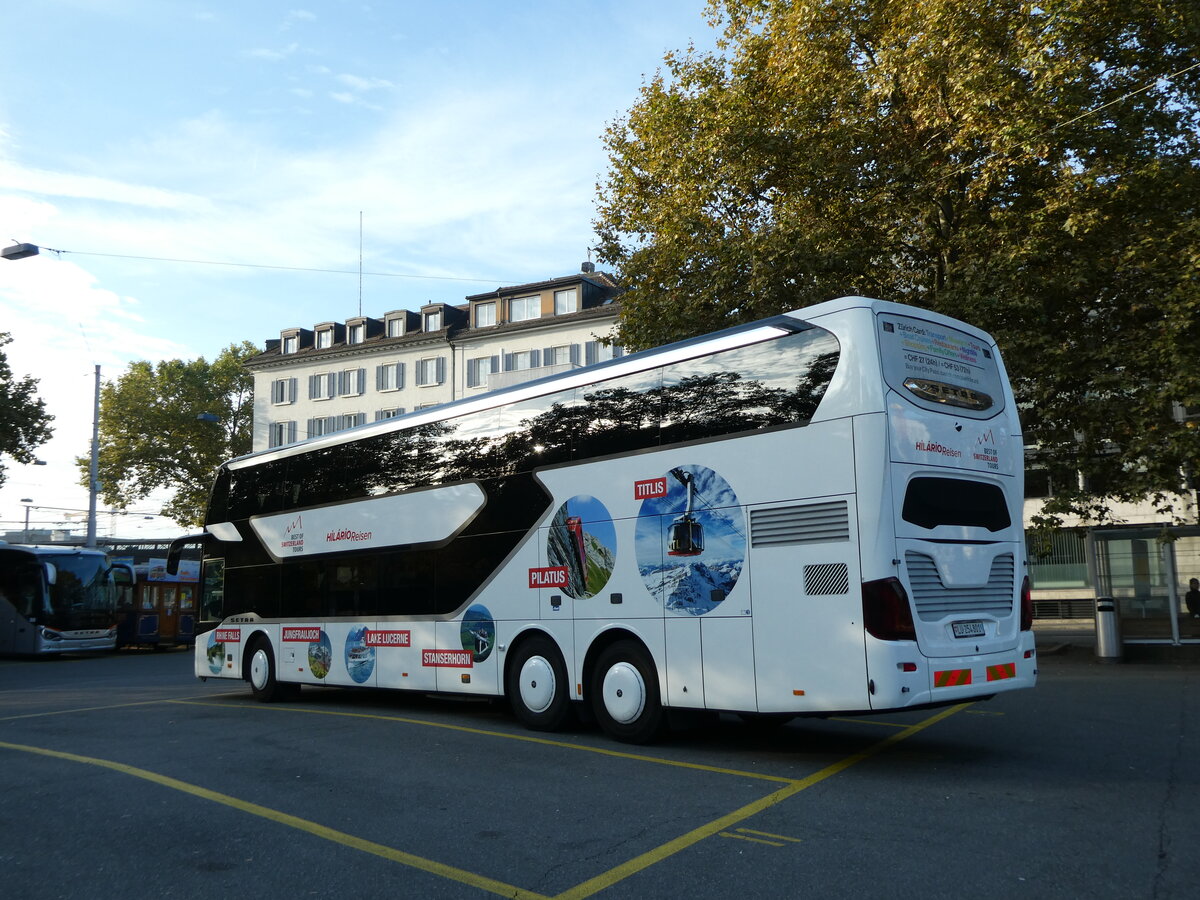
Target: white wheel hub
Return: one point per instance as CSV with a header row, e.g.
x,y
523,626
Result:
x,y
260,669
537,684
624,693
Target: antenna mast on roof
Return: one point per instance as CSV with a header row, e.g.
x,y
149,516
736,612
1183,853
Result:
x,y
360,263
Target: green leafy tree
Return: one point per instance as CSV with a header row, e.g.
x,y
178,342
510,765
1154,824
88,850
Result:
x,y
151,437
24,422
1028,167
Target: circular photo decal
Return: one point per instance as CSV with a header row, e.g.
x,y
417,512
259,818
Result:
x,y
691,540
478,632
360,658
582,540
320,656
215,654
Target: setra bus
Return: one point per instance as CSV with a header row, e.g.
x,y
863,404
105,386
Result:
x,y
819,512
57,599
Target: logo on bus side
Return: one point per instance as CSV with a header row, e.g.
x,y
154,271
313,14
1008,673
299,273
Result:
x,y
454,659
388,639
227,636
293,536
650,488
548,577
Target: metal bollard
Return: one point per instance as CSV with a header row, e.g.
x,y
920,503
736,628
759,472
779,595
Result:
x,y
1108,630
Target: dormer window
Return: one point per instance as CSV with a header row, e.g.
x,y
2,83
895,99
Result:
x,y
395,327
324,338
522,308
566,302
433,320
485,314
291,343
354,333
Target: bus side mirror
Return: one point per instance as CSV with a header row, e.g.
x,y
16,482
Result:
x,y
175,552
122,573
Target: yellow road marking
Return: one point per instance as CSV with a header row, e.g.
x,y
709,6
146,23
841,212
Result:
x,y
858,721
778,837
79,709
684,841
742,837
526,738
339,837
584,889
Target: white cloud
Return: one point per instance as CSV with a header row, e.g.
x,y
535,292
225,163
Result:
x,y
44,182
273,55
357,83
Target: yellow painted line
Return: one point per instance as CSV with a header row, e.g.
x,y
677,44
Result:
x,y
281,818
83,709
856,721
742,837
658,854
526,738
778,837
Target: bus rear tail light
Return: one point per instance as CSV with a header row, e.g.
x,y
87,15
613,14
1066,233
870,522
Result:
x,y
1026,606
886,613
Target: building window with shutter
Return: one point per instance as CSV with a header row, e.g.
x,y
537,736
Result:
x,y
350,382
322,386
283,390
431,371
479,369
381,414
281,433
389,377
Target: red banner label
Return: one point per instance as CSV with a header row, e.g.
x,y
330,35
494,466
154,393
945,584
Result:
x,y
455,659
388,639
649,489
227,636
549,577
306,635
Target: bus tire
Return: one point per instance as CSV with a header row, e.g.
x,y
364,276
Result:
x,y
260,672
624,693
537,685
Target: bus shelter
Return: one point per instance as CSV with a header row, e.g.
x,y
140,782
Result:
x,y
1146,571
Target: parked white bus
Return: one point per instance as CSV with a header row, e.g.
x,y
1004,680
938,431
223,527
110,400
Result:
x,y
816,513
57,599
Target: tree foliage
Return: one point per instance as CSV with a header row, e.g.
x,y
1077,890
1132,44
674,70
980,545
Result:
x,y
1031,168
24,422
151,438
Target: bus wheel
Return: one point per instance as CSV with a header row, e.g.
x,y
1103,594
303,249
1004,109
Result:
x,y
261,675
624,693
537,685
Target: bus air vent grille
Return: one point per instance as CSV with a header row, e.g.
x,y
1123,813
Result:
x,y
826,579
807,523
936,601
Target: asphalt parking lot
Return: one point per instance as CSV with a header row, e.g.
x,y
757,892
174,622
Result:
x,y
125,776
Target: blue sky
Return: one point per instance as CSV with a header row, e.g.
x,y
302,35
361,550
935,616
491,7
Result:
x,y
466,134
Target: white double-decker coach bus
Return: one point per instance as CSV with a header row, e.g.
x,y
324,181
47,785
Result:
x,y
818,512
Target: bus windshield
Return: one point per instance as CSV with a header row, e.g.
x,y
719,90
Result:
x,y
79,587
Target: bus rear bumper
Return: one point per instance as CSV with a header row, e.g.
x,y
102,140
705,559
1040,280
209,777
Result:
x,y
900,676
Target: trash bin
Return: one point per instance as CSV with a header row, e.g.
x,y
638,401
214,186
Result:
x,y
1108,630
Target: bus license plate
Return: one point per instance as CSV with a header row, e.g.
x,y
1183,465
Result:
x,y
967,629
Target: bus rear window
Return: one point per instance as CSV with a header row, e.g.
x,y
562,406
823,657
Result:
x,y
931,502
